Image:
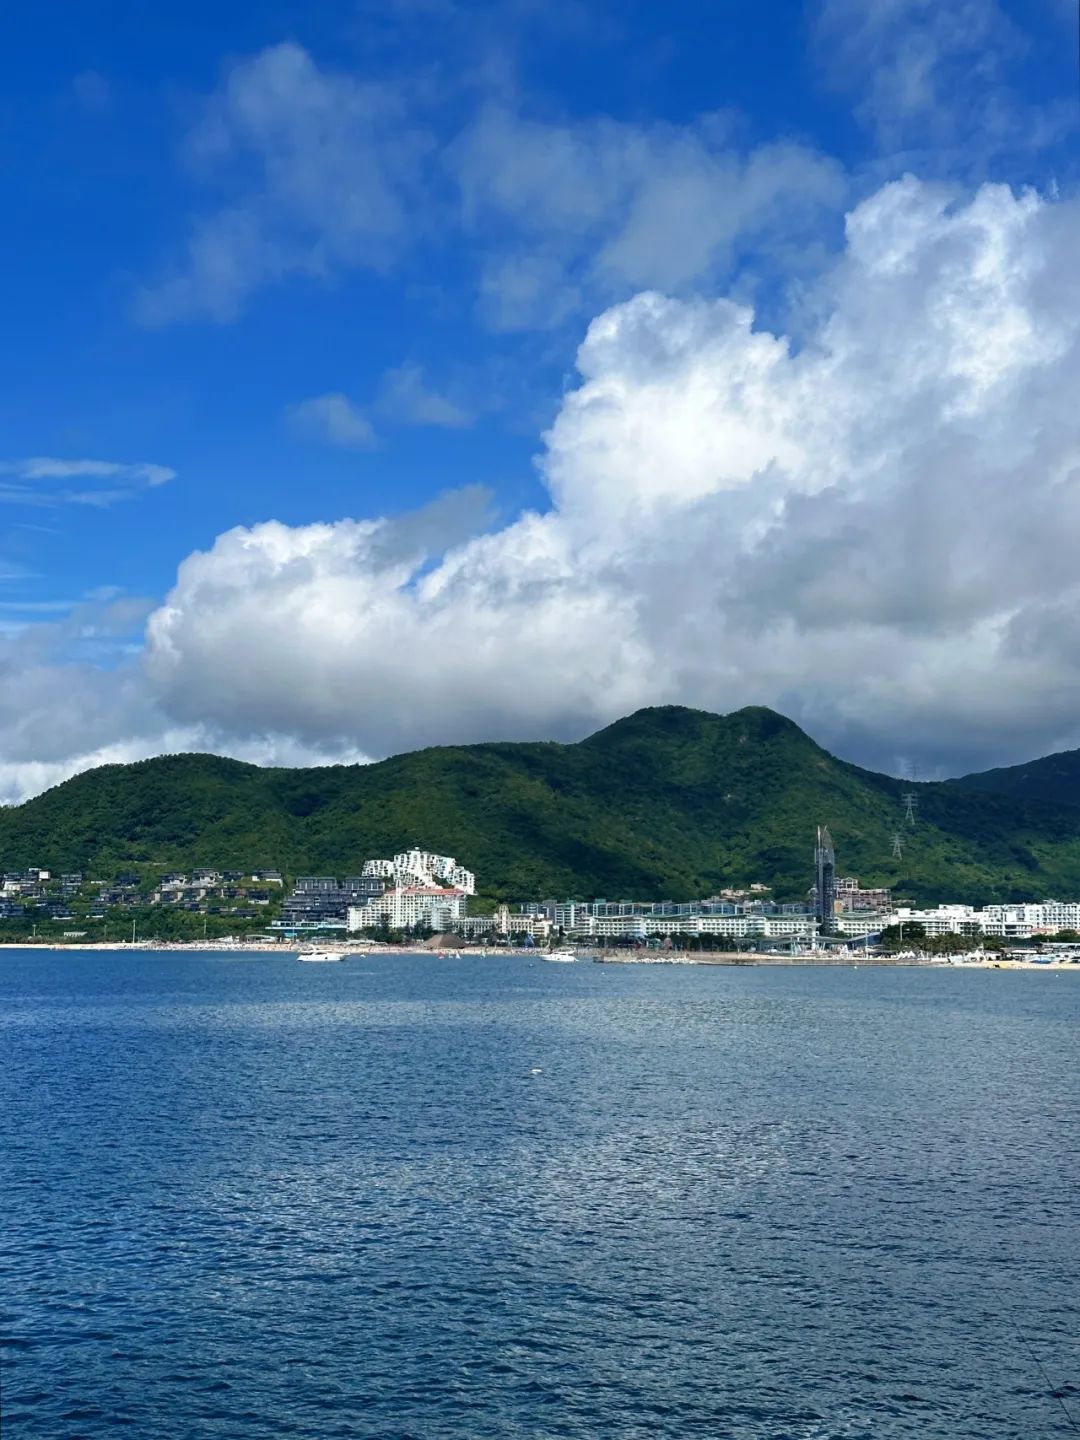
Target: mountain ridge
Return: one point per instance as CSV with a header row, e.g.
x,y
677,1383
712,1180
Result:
x,y
668,802
1055,778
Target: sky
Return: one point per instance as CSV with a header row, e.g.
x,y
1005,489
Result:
x,y
380,375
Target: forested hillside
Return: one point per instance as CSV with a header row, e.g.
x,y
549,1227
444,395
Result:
x,y
1055,778
669,802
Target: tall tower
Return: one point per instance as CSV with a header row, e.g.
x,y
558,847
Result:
x,y
825,876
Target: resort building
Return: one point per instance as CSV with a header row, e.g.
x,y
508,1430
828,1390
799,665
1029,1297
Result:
x,y
421,867
529,920
323,899
945,920
850,895
793,926
1046,917
406,906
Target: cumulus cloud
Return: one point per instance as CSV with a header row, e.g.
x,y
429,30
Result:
x,y
67,699
73,695
335,419
26,776
874,531
40,480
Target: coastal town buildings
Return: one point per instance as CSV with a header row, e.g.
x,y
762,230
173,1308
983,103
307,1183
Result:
x,y
1023,921
325,900
851,896
415,888
741,926
420,889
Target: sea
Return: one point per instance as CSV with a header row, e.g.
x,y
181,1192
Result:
x,y
410,1197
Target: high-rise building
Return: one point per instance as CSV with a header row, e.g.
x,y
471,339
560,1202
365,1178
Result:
x,y
825,881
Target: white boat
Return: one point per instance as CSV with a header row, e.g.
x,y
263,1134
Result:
x,y
560,957
320,957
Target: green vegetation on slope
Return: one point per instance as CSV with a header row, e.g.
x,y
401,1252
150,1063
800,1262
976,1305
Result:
x,y
668,803
1055,778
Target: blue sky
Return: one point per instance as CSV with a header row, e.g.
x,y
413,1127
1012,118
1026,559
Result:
x,y
312,265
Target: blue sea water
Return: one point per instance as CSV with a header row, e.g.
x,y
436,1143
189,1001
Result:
x,y
404,1197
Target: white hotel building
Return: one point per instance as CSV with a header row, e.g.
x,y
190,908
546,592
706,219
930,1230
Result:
x,y
424,889
735,927
406,906
422,867
1005,922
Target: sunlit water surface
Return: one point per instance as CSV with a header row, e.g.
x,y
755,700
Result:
x,y
402,1197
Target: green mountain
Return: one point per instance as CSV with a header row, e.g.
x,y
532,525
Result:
x,y
1055,778
669,802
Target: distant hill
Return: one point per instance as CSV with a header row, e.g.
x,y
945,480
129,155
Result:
x,y
1056,779
668,802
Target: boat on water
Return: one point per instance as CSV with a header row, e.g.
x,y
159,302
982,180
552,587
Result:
x,y
560,957
320,957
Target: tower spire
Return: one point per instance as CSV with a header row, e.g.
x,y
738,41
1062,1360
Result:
x,y
825,878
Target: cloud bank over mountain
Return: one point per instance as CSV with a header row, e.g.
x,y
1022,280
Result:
x,y
874,531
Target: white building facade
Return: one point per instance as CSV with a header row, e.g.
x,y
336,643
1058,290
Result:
x,y
412,868
403,907
801,928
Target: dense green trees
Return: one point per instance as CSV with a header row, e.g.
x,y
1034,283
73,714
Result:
x,y
908,934
668,803
1055,778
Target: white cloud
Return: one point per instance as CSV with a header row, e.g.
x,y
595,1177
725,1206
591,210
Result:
x,y
865,532
874,531
936,76
37,481
20,779
335,419
605,208
405,397
46,467
323,168
907,56
324,172
73,695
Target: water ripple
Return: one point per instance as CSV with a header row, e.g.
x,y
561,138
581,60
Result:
x,y
475,1199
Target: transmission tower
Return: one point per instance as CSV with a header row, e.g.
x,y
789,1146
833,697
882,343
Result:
x,y
911,804
898,846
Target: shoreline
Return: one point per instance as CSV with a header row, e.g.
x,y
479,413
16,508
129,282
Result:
x,y
714,958
195,947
